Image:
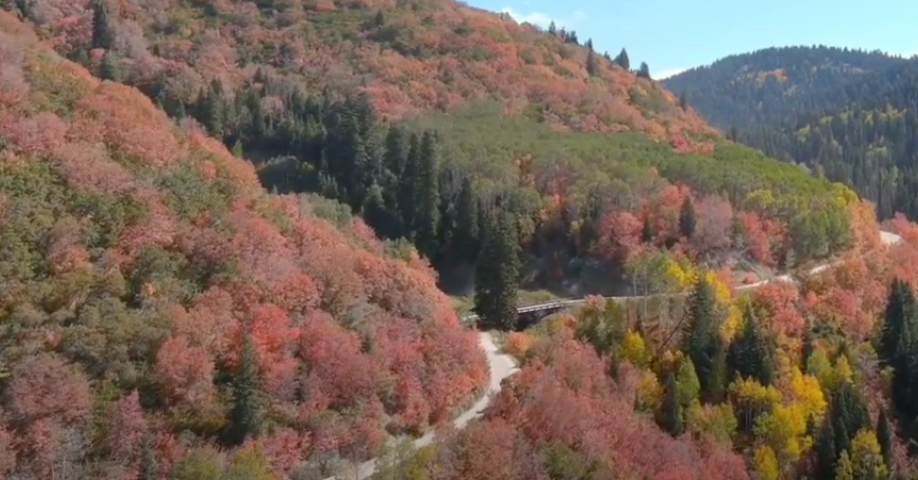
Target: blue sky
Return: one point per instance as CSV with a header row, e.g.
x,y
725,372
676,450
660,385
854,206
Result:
x,y
673,35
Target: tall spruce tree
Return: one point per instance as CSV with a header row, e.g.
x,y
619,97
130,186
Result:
x,y
826,454
622,60
671,408
884,438
427,196
644,71
497,274
110,69
702,340
750,353
407,186
900,309
102,32
248,412
468,231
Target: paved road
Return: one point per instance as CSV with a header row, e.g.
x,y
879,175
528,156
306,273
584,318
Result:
x,y
502,365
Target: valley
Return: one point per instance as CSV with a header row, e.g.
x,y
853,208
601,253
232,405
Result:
x,y
414,239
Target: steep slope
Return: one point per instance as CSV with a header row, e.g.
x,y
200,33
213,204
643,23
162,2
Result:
x,y
407,55
769,86
863,137
155,299
586,202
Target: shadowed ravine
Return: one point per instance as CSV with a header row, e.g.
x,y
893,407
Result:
x,y
503,365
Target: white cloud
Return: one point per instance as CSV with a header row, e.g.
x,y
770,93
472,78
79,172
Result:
x,y
536,18
664,74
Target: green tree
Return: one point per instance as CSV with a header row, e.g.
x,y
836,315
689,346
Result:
x,y
110,69
900,310
644,71
687,218
427,196
671,408
497,274
689,385
248,411
702,341
407,186
884,438
622,60
592,67
751,355
647,231
683,100
102,32
468,232
825,451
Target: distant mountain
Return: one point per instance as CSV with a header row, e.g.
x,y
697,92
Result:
x,y
847,114
773,85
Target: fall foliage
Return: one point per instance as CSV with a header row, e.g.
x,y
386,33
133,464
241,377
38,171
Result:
x,y
138,253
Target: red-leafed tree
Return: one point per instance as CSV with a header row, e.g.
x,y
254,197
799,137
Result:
x,y
185,372
46,388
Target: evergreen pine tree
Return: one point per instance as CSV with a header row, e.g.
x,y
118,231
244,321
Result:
x,y
807,348
468,233
407,186
497,274
427,196
701,339
687,218
111,67
248,411
552,28
592,67
750,355
900,309
622,60
647,231
644,71
102,34
825,451
884,438
671,409
683,100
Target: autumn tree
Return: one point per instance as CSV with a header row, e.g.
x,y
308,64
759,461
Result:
x,y
248,410
702,341
497,274
750,354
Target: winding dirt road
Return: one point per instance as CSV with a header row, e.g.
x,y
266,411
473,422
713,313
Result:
x,y
503,365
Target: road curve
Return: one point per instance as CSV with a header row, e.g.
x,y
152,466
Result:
x,y
503,365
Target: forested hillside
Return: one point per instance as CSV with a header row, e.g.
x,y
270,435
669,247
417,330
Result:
x,y
770,86
849,116
167,318
156,304
407,55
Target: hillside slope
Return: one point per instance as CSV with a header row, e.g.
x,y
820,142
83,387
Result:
x,y
155,299
773,85
409,56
